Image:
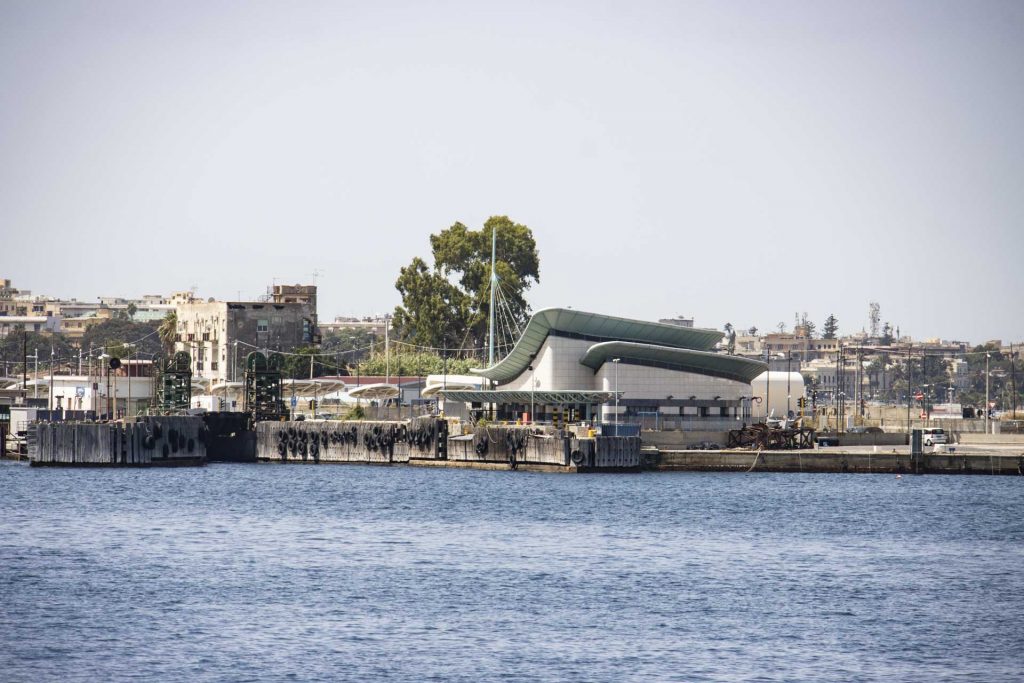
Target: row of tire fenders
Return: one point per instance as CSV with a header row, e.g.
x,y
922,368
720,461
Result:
x,y
377,438
176,441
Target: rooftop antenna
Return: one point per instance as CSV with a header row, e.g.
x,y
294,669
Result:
x,y
494,285
316,273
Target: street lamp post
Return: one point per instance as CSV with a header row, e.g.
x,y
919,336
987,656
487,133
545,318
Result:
x,y
104,360
789,390
615,362
444,380
49,402
533,385
128,407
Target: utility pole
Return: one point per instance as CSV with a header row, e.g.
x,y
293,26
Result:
x,y
835,392
24,361
128,407
910,374
789,370
988,357
444,382
109,409
860,382
49,401
841,417
615,361
1013,382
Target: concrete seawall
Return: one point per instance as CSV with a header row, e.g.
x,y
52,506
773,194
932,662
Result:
x,y
147,442
425,442
833,460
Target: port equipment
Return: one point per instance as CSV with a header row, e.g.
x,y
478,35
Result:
x,y
263,387
174,389
762,437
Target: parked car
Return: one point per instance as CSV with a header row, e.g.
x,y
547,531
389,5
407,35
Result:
x,y
933,435
865,430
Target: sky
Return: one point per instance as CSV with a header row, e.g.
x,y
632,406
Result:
x,y
728,161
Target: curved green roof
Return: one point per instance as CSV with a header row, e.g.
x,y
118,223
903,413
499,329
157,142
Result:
x,y
599,328
687,360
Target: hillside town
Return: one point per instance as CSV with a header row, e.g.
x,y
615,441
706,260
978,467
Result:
x,y
57,346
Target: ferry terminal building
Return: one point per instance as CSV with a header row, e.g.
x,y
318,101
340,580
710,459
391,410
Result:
x,y
574,364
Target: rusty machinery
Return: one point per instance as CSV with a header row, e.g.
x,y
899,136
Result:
x,y
763,437
263,387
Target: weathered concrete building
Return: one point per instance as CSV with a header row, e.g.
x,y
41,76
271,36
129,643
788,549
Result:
x,y
219,334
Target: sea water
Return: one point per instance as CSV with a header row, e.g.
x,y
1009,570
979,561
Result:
x,y
356,573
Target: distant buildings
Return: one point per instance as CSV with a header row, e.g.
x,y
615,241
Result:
x,y
28,323
20,309
374,325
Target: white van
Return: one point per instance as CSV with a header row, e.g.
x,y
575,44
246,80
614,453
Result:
x,y
933,435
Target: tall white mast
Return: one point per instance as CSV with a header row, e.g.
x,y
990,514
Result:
x,y
494,286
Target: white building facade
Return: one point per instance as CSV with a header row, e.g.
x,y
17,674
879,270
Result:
x,y
600,367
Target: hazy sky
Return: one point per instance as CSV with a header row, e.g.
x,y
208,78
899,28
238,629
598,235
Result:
x,y
728,161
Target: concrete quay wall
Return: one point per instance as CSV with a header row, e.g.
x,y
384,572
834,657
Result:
x,y
425,442
833,460
164,441
363,441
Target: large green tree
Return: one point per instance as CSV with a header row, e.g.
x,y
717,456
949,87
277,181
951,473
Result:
x,y
299,363
15,344
114,333
348,346
447,304
418,363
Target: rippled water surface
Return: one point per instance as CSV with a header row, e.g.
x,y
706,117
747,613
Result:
x,y
247,572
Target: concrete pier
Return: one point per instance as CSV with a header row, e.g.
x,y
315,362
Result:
x,y
146,442
834,460
425,442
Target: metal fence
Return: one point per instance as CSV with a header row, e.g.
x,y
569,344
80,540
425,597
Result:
x,y
686,423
